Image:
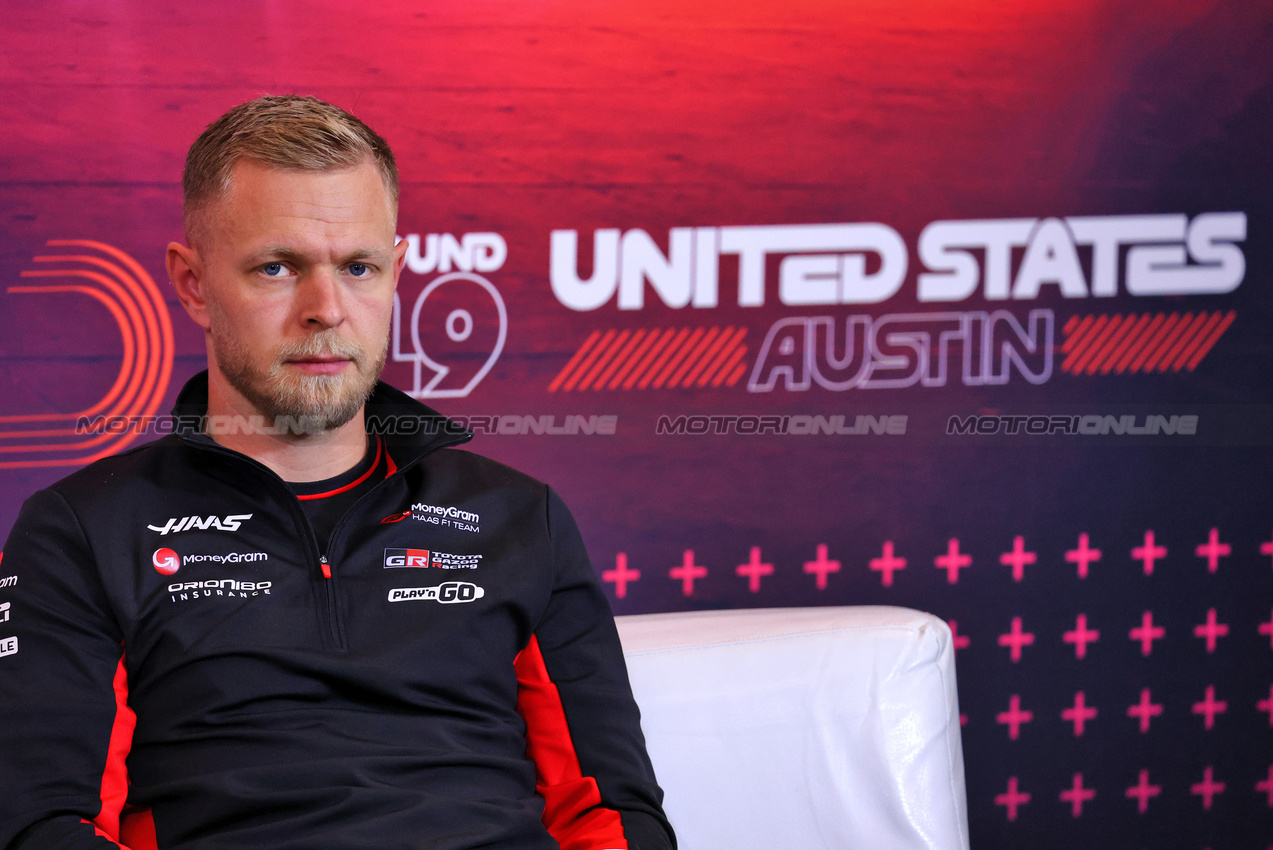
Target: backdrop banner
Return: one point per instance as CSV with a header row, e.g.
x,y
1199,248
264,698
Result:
x,y
961,306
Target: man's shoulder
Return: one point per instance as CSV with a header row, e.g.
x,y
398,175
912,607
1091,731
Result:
x,y
484,472
114,477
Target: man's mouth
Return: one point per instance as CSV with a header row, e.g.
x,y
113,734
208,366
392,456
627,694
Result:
x,y
320,364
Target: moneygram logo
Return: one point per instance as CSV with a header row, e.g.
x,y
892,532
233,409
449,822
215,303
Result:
x,y
166,561
448,593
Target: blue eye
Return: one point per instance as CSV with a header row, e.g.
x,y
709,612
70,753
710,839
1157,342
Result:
x,y
272,269
359,270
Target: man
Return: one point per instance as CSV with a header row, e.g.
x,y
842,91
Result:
x,y
304,620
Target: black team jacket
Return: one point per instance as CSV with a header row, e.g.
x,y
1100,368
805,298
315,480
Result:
x,y
181,667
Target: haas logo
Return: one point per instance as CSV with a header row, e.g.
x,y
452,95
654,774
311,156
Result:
x,y
166,561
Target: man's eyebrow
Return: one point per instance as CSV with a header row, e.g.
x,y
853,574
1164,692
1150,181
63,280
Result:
x,y
282,253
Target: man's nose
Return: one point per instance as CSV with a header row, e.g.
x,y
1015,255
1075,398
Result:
x,y
321,299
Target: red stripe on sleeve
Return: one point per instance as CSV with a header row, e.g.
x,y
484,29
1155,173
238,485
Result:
x,y
572,801
137,831
114,788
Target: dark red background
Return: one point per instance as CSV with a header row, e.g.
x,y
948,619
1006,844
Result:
x,y
524,117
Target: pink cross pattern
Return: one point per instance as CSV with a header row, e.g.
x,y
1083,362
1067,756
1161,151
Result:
x,y
1012,798
952,561
1266,786
1142,791
886,564
1267,705
1147,553
1081,636
1213,550
1266,548
1147,633
1080,713
1209,707
1083,555
821,567
687,572
1211,630
1207,788
1145,710
1267,629
621,575
1018,558
754,569
960,641
1077,795
1014,717
1016,639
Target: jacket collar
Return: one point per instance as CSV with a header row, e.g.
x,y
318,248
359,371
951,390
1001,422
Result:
x,y
405,424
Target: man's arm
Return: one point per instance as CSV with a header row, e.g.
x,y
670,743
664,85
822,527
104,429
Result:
x,y
63,688
583,727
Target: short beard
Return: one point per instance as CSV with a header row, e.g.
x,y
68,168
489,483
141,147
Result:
x,y
302,404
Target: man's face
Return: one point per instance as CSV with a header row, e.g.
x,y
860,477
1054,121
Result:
x,y
299,270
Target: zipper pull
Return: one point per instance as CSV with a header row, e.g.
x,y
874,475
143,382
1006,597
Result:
x,y
327,569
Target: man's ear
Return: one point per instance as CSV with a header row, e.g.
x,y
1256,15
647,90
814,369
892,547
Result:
x,y
399,259
185,270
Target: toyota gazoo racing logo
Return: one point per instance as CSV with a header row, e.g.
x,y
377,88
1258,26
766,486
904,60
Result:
x,y
448,593
166,561
401,558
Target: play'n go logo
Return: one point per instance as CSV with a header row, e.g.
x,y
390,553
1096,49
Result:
x,y
450,328
166,561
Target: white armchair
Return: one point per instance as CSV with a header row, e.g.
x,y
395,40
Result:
x,y
802,728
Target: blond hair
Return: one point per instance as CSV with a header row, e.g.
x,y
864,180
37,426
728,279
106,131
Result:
x,y
289,132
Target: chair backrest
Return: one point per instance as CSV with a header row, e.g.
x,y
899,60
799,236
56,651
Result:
x,y
802,728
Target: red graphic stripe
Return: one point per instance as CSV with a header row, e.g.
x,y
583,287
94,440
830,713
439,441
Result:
x,y
604,359
1196,339
1140,343
1128,338
1186,336
1115,343
694,357
114,785
574,361
737,373
1075,333
1069,327
1211,340
1096,347
708,357
1115,334
1175,324
732,363
668,351
633,359
588,361
1076,344
352,484
1155,339
619,359
572,802
729,354
650,357
390,466
680,353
